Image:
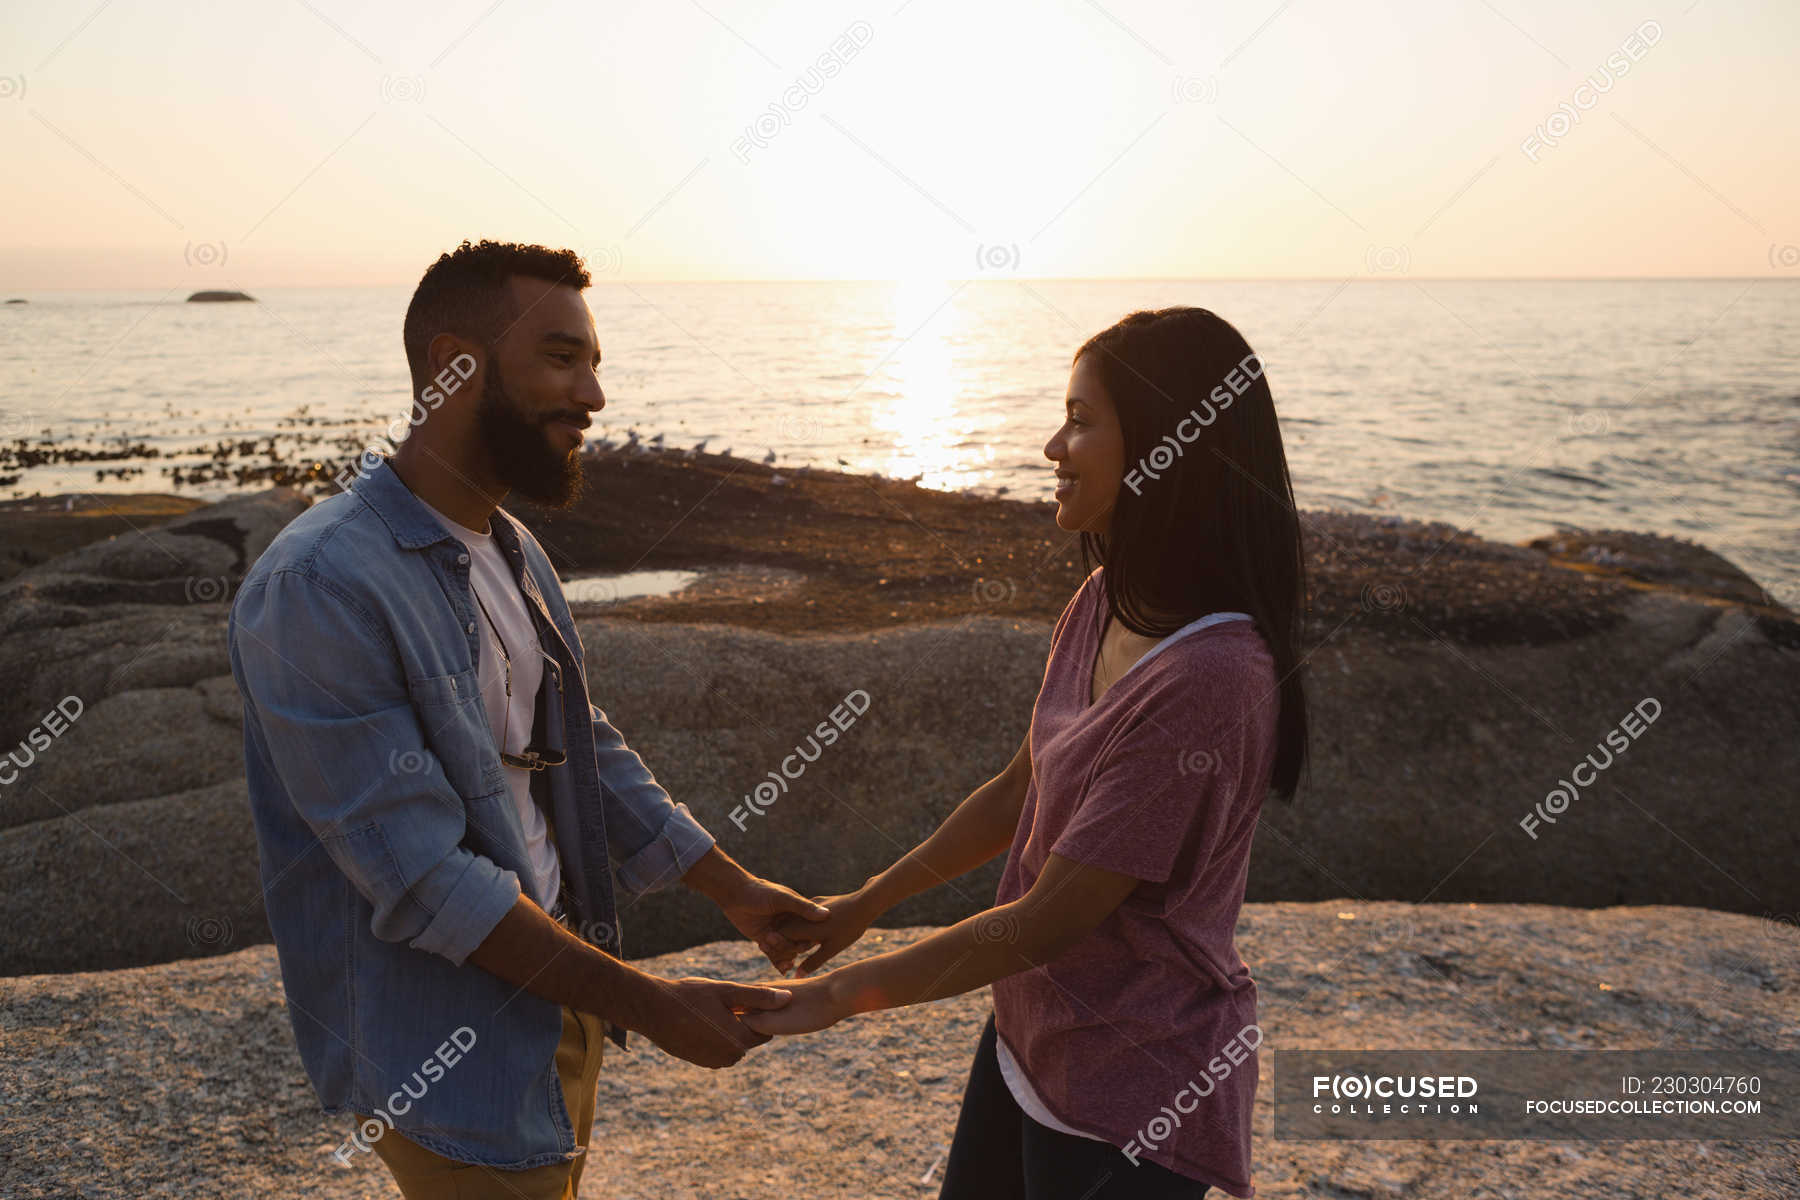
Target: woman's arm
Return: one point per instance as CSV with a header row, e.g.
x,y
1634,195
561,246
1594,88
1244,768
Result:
x,y
980,829
1068,901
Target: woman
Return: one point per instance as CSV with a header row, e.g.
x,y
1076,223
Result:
x,y
1120,1059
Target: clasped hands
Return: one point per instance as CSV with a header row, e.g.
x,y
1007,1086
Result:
x,y
712,1022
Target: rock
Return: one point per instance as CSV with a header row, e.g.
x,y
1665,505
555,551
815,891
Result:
x,y
1650,558
180,737
1434,735
190,559
185,1076
130,883
218,297
144,608
38,529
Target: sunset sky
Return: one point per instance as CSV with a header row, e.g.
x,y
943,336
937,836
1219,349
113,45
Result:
x,y
325,142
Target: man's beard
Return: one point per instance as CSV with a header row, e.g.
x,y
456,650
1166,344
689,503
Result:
x,y
521,451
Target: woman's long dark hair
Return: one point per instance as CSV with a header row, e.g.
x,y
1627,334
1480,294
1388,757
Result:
x,y
1205,518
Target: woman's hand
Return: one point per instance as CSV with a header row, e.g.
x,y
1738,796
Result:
x,y
851,916
815,1005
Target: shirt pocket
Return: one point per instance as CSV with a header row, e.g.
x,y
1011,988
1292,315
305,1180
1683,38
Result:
x,y
457,732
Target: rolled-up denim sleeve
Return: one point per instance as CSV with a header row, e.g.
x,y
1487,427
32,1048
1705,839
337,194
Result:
x,y
653,840
322,681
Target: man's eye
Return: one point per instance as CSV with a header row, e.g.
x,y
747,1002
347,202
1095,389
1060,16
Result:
x,y
564,359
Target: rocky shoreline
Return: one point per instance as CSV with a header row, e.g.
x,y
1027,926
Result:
x,y
1456,682
872,552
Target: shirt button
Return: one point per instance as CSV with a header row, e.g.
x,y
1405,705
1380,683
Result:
x,y
463,559
471,627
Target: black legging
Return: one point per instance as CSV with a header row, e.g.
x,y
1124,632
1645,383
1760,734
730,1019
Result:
x,y
1002,1154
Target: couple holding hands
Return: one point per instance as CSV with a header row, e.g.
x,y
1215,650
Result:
x,y
449,829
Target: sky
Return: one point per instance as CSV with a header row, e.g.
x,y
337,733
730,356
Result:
x,y
322,142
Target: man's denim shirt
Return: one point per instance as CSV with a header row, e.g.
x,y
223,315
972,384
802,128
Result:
x,y
389,843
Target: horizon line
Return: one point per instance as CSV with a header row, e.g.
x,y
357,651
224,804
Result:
x,y
1366,277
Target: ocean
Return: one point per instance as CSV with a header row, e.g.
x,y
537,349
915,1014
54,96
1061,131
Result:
x,y
1509,408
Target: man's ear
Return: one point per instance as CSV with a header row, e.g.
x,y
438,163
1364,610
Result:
x,y
453,360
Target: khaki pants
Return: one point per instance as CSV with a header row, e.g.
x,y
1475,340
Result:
x,y
425,1175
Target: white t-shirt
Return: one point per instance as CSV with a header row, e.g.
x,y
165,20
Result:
x,y
493,581
1024,1095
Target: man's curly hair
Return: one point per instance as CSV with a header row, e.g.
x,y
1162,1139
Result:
x,y
464,292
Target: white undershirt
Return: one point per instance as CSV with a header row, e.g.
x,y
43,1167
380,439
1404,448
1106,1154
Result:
x,y
493,581
1195,626
1025,1097
1023,1094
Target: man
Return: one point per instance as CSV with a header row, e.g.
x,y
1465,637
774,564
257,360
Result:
x,y
441,813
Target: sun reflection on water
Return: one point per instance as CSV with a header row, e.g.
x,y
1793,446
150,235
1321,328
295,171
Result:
x,y
919,411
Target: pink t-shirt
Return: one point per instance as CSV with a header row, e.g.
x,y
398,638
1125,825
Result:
x,y
1144,1033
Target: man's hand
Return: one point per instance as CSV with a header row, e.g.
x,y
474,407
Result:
x,y
815,1006
848,918
753,905
756,908
697,1019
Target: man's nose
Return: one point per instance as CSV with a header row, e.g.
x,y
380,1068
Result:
x,y
591,395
